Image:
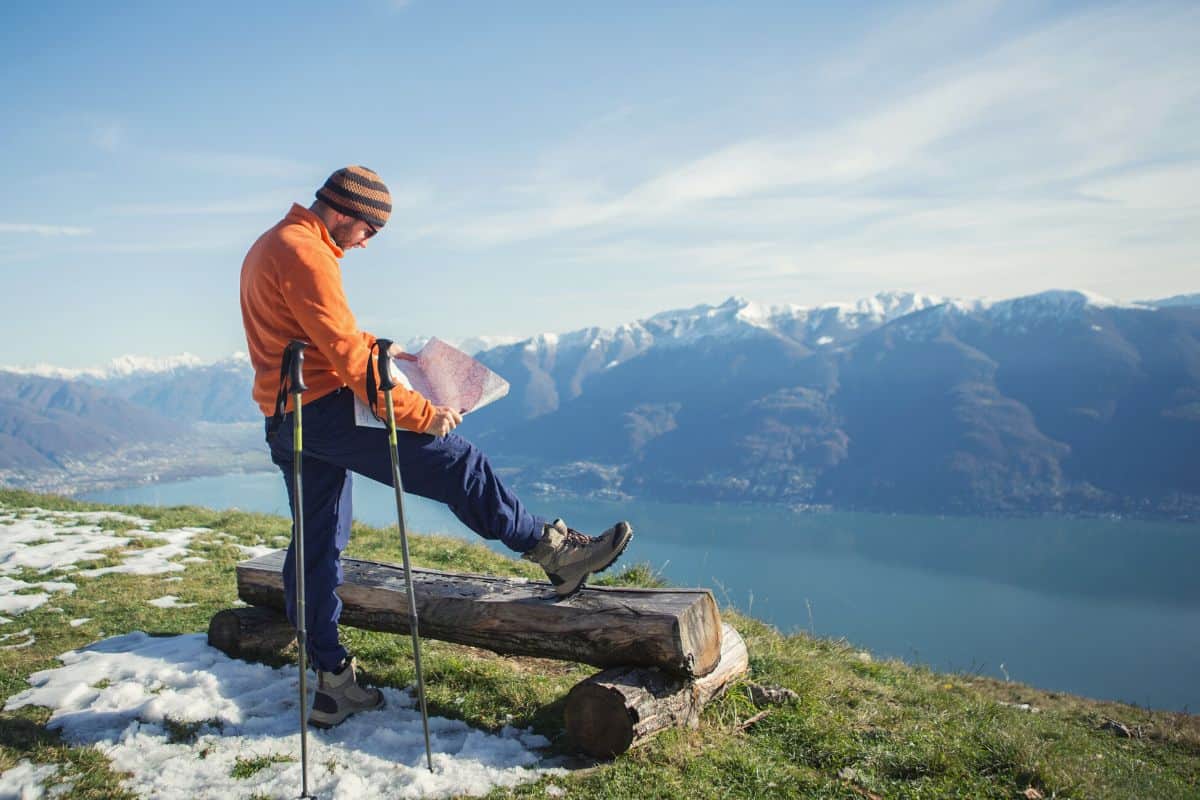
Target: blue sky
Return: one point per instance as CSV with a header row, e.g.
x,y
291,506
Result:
x,y
556,165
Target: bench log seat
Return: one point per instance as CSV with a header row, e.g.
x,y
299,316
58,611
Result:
x,y
675,630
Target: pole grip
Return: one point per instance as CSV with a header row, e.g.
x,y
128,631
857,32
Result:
x,y
295,361
385,365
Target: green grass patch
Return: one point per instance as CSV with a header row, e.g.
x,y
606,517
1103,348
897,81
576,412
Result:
x,y
861,725
249,767
179,732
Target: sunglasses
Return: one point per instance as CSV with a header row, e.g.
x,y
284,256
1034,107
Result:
x,y
371,230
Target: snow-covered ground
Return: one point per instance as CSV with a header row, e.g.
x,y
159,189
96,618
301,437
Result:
x,y
58,542
119,694
130,696
44,541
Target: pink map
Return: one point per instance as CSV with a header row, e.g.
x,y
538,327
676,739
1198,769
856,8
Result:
x,y
450,377
446,376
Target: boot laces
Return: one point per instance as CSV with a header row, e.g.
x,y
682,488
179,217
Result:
x,y
574,537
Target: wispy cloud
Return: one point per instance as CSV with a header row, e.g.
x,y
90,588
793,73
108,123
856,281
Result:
x,y
43,230
1034,120
1173,188
239,164
913,35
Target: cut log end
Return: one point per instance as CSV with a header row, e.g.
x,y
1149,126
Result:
x,y
599,720
250,633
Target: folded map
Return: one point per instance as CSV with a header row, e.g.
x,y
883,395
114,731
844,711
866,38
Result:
x,y
446,376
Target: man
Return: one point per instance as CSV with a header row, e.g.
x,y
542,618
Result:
x,y
291,288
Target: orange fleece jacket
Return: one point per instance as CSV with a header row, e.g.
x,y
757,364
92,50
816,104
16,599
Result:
x,y
292,289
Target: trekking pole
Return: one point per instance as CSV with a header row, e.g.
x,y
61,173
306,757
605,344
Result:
x,y
386,383
293,359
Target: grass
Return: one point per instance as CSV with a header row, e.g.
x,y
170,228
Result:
x,y
247,767
860,727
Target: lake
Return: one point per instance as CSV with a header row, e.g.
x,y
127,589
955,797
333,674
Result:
x,y
1106,608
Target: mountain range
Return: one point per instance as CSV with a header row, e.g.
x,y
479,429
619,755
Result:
x,y
1060,401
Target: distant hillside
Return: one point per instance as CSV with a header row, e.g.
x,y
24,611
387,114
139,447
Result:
x,y
1177,300
550,370
1048,402
1061,401
43,420
217,392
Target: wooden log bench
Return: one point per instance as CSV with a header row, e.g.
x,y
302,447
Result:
x,y
667,650
613,710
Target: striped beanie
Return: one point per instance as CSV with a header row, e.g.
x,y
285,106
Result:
x,y
359,193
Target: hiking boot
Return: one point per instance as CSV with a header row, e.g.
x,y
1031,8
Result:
x,y
339,695
569,556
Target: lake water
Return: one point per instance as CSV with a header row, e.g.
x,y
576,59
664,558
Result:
x,y
1103,608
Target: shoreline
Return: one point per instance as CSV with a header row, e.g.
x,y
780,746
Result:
x,y
184,473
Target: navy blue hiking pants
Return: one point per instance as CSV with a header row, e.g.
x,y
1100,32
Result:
x,y
448,469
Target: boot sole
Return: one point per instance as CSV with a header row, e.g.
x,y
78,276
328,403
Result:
x,y
616,554
333,720
315,723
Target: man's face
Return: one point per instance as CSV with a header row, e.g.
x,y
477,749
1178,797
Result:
x,y
350,232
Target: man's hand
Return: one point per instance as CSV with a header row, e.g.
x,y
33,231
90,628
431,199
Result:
x,y
445,419
396,351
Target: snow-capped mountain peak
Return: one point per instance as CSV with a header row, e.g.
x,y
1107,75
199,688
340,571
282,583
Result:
x,y
129,364
1052,304
124,366
879,309
829,325
735,317
1176,301
471,345
893,303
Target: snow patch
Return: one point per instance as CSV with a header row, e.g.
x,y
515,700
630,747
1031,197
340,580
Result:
x,y
169,601
244,711
16,604
154,560
24,781
44,540
255,551
28,633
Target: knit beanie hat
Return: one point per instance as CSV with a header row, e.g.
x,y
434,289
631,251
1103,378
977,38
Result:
x,y
358,192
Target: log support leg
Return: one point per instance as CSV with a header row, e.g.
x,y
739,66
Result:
x,y
619,708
